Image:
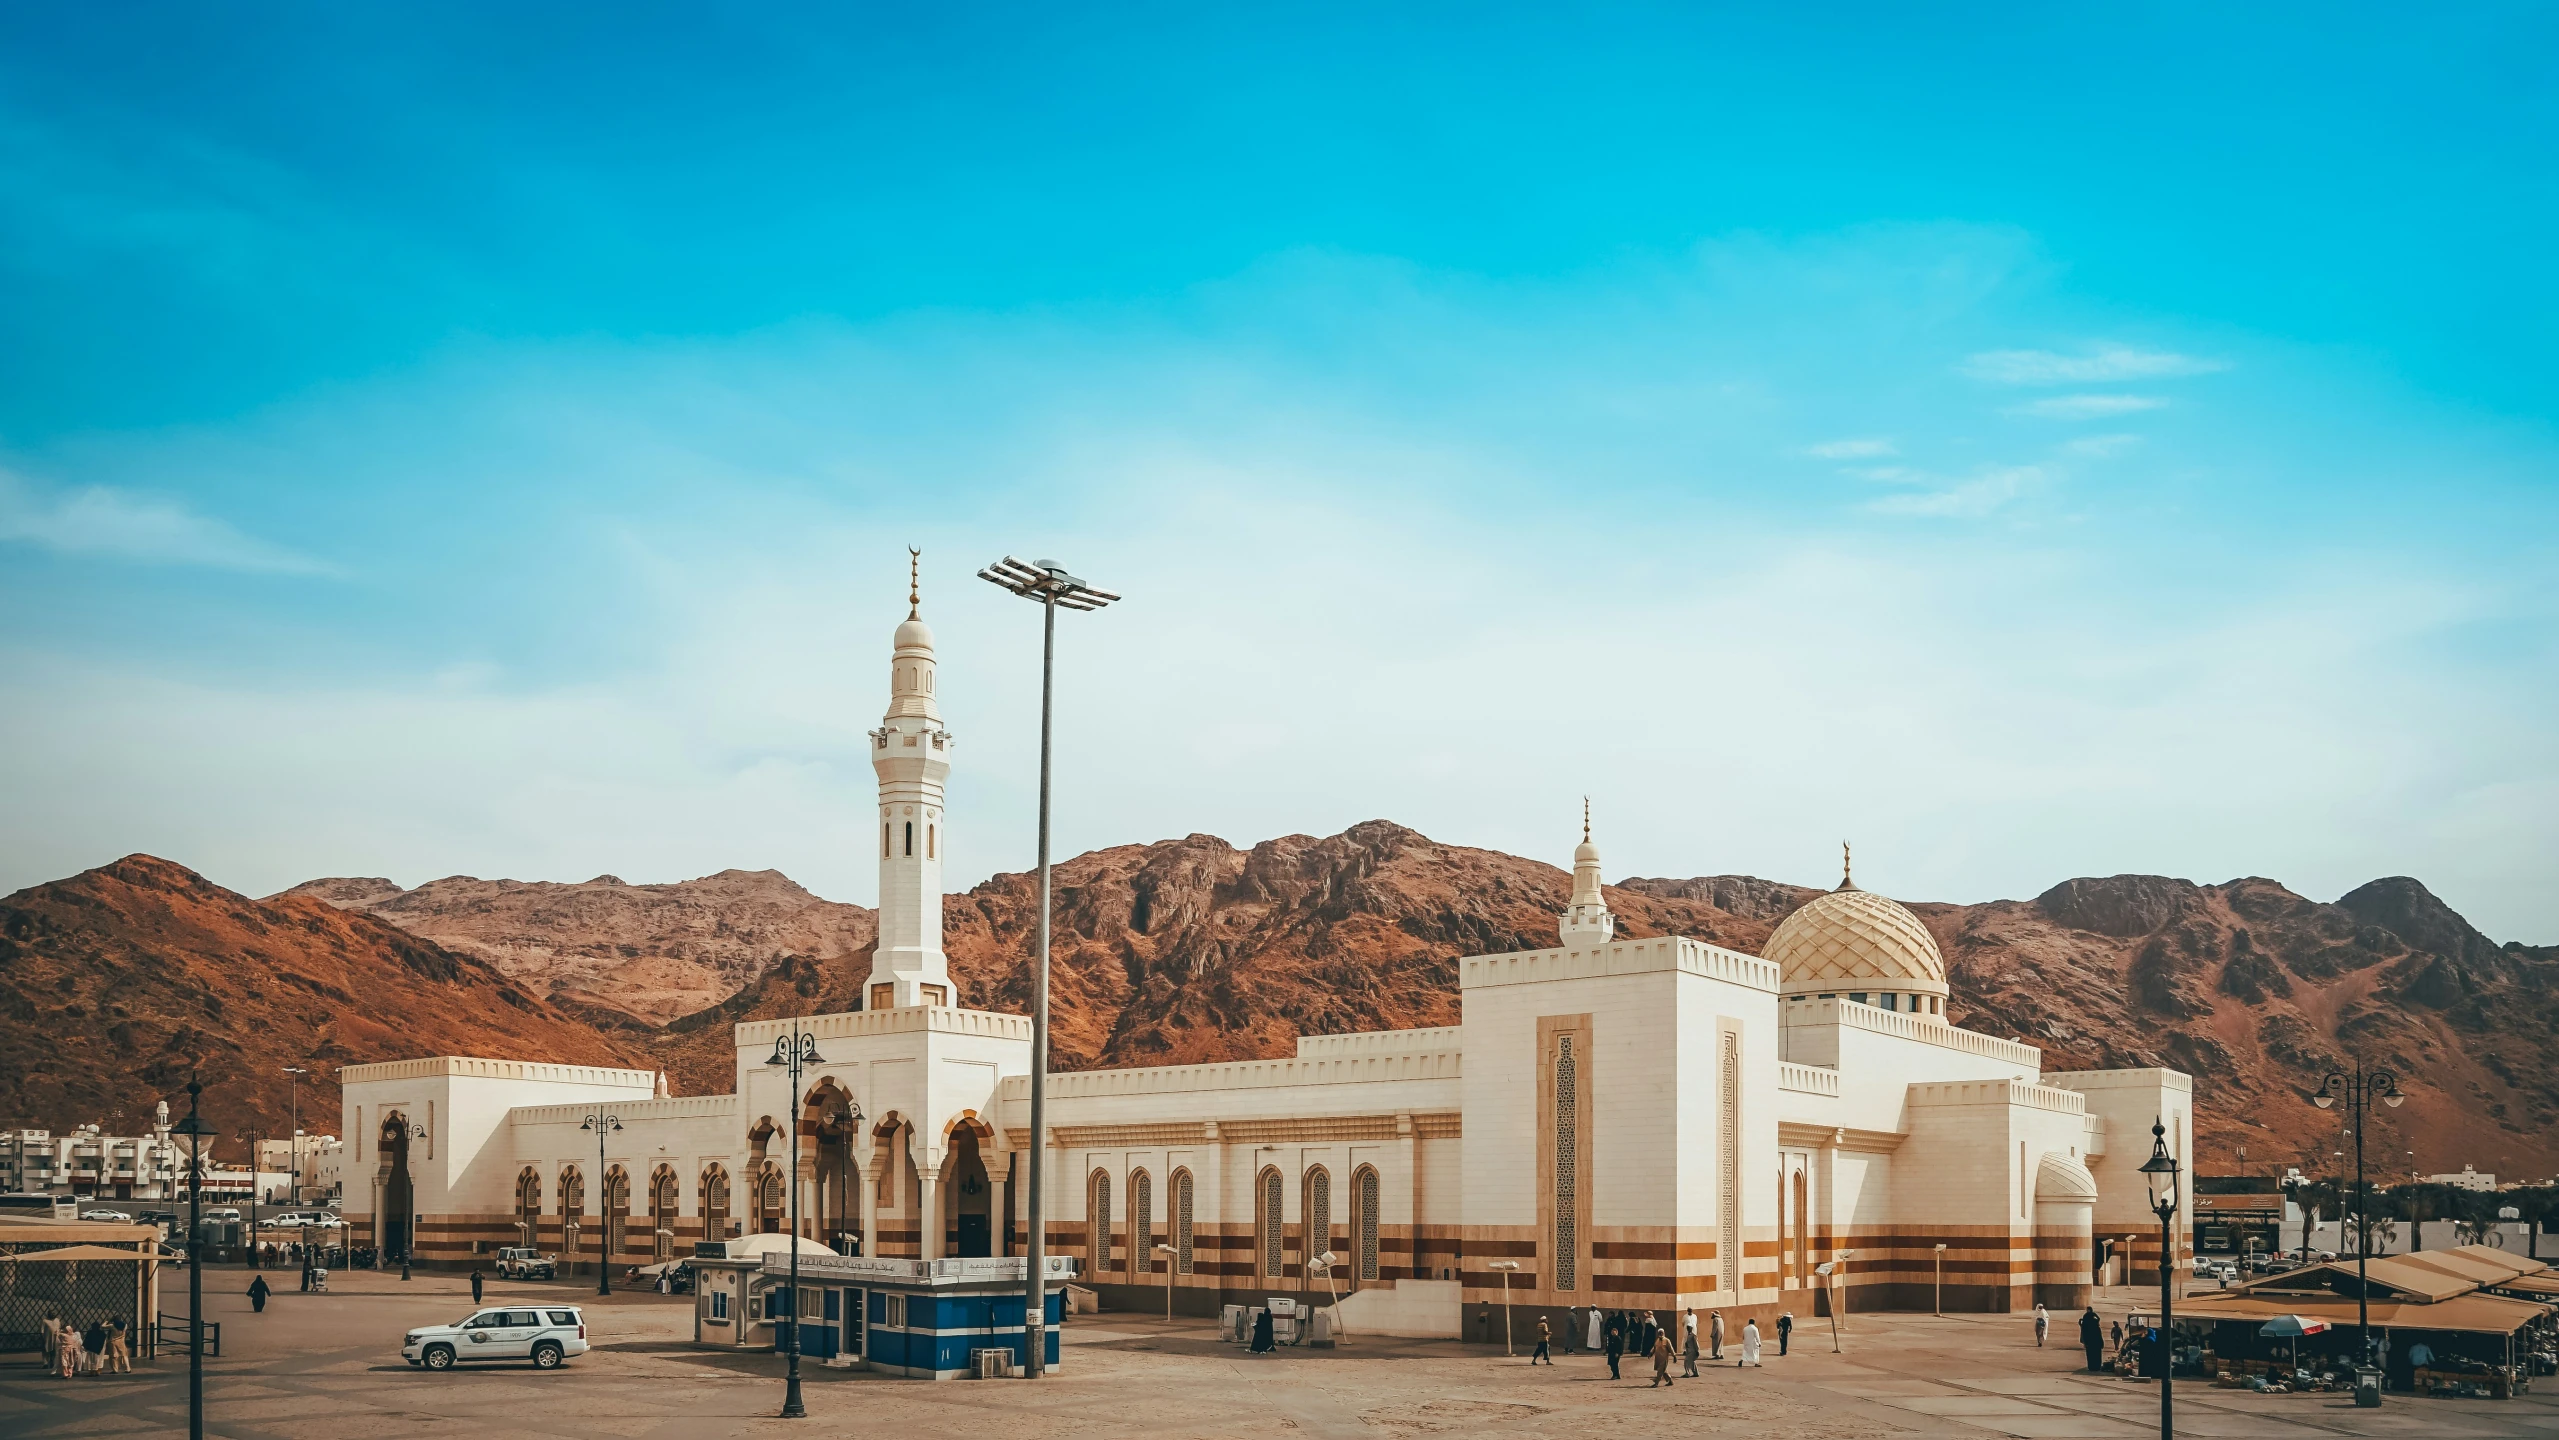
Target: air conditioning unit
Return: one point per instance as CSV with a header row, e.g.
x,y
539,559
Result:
x,y
990,1364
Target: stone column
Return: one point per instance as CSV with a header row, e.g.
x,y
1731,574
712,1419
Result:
x,y
928,1209
1210,1198
1401,1205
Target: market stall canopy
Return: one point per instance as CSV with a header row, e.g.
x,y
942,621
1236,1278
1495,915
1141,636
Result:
x,y
2291,1326
78,1252
2473,1314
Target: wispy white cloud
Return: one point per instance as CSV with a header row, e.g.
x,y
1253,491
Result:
x,y
2089,407
2099,447
2112,362
125,525
1851,449
1969,499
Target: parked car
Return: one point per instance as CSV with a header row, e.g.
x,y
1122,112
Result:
x,y
543,1334
289,1220
223,1216
102,1214
523,1262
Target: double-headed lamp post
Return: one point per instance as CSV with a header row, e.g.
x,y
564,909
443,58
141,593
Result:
x,y
602,1123
1048,583
793,1053
2160,1171
2358,1089
193,1136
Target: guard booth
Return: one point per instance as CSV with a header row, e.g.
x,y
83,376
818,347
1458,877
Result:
x,y
924,1319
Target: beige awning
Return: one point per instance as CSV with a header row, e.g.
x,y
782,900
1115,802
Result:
x,y
2477,1314
79,1252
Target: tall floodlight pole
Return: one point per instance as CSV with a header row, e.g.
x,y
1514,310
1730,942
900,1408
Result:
x,y
603,1124
193,1135
793,1053
1047,582
294,1074
2160,1171
2359,1090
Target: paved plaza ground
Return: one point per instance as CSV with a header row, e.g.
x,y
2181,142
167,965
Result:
x,y
328,1368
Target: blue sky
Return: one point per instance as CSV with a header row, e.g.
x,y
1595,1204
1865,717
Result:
x,y
2030,443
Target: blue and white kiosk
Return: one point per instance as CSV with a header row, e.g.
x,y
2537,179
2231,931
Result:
x,y
923,1319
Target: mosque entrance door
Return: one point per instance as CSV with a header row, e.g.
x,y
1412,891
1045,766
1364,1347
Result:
x,y
972,1203
399,1189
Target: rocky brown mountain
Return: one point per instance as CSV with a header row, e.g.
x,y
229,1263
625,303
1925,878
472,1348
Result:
x,y
614,952
1193,950
118,981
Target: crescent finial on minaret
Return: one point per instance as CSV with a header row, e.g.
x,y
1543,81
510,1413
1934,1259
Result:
x,y
1844,882
1586,818
914,569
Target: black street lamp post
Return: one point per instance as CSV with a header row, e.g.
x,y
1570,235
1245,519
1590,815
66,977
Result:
x,y
2161,1171
794,1052
193,1135
252,1247
2358,1090
602,1124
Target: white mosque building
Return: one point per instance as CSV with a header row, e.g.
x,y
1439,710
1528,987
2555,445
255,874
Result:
x,y
1625,1124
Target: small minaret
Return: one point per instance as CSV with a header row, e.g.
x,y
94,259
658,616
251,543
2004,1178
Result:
x,y
1586,920
911,753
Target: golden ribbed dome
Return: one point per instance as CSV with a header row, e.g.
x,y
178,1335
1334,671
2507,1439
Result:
x,y
1853,938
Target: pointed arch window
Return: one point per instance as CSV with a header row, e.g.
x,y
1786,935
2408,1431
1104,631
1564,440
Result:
x,y
1319,1211
1364,1204
1141,1223
1270,1242
1182,1222
1097,1220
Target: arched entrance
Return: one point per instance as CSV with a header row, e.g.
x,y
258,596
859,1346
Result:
x,y
617,1215
972,1196
528,1207
827,1135
664,1194
715,1202
399,1192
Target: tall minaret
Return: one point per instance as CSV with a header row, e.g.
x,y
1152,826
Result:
x,y
1586,920
911,753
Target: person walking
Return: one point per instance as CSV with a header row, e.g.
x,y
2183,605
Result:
x,y
52,1338
1750,1342
1592,1344
1689,1370
1715,1335
1661,1358
2043,1324
1785,1329
66,1353
119,1355
2092,1338
1616,1349
2115,1336
478,1280
93,1347
1262,1342
258,1293
1541,1353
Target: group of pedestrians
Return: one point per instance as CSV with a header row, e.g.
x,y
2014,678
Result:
x,y
1619,1333
101,1349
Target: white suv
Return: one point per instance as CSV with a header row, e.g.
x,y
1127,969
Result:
x,y
543,1334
